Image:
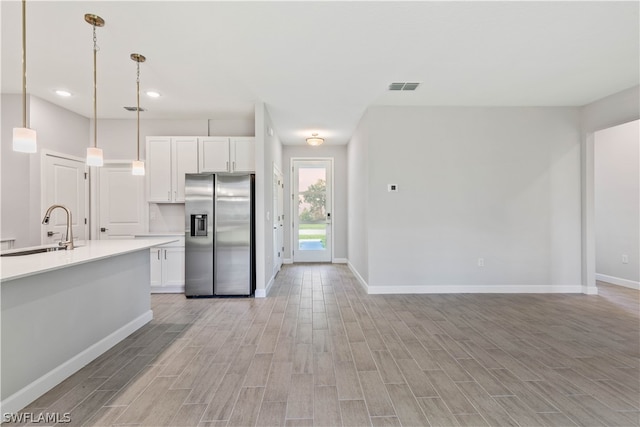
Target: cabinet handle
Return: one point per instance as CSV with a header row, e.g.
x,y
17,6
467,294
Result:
x,y
175,195
169,195
165,254
158,254
234,166
227,166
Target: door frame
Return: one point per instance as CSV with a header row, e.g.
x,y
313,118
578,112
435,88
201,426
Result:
x,y
43,198
292,206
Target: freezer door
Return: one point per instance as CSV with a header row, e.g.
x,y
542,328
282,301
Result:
x,y
199,235
233,235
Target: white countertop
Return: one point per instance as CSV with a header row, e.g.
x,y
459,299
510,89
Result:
x,y
15,267
161,234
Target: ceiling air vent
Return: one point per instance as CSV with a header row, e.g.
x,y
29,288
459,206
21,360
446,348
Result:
x,y
403,86
134,109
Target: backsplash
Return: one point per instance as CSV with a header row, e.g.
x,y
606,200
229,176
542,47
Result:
x,y
166,217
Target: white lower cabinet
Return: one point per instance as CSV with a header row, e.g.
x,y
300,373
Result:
x,y
167,269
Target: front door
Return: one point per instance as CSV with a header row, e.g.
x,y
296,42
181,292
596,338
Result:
x,y
312,185
65,183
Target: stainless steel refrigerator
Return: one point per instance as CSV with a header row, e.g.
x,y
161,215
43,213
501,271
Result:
x,y
219,235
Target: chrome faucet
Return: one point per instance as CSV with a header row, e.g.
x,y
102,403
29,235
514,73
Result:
x,y
68,244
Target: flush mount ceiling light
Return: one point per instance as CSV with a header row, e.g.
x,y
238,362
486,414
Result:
x,y
315,140
24,139
94,154
137,167
63,93
153,94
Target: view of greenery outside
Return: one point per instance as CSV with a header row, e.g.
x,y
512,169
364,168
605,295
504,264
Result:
x,y
322,237
314,200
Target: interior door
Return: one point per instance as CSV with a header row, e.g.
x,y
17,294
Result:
x,y
65,183
278,219
312,189
121,212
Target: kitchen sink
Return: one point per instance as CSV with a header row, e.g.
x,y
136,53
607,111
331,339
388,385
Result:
x,y
35,251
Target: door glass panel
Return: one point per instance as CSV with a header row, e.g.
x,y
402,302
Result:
x,y
312,208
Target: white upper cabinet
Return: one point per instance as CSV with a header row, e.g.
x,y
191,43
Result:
x,y
158,169
222,154
214,154
243,154
168,160
184,160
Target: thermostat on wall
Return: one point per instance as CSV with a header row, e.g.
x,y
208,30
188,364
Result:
x,y
392,187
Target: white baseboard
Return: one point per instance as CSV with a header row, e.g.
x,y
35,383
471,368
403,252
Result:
x,y
262,293
340,261
590,290
167,289
287,261
40,386
476,289
618,281
361,280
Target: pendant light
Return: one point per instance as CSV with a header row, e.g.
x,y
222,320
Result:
x,y
94,154
137,167
24,139
315,140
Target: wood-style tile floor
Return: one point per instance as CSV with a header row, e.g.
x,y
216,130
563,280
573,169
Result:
x,y
319,351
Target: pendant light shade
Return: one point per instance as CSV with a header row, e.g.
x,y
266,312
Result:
x,y
315,140
94,154
137,167
94,157
24,139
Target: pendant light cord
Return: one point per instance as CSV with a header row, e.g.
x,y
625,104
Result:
x,y
24,63
138,102
95,91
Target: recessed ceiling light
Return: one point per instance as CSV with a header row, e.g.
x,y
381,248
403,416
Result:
x,y
63,93
153,94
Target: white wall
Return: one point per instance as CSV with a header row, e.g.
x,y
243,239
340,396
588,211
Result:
x,y
339,214
58,130
232,127
117,137
502,184
268,153
618,108
15,185
358,200
617,203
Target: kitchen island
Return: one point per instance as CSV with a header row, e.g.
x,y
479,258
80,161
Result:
x,y
62,309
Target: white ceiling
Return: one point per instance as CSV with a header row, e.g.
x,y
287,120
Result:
x,y
319,65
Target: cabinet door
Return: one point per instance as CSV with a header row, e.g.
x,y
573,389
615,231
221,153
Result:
x,y
173,267
155,255
184,160
243,154
159,169
214,154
